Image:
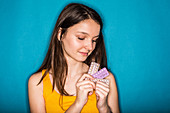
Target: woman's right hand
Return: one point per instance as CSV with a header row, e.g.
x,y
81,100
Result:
x,y
84,87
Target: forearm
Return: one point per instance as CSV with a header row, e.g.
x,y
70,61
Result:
x,y
104,109
74,108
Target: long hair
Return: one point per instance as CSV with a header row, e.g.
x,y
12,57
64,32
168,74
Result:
x,y
55,61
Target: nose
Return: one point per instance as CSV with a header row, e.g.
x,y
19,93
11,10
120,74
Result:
x,y
89,45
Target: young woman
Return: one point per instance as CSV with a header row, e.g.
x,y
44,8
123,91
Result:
x,y
60,84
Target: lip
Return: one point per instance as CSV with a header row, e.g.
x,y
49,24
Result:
x,y
84,53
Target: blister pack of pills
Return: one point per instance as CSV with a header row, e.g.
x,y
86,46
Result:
x,y
98,75
101,74
94,67
102,80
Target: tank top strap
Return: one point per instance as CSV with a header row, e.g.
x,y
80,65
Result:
x,y
47,86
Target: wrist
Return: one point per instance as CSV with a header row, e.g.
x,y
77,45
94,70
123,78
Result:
x,y
104,109
78,106
74,108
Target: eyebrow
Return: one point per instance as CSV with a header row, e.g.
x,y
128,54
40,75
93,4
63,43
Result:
x,y
86,34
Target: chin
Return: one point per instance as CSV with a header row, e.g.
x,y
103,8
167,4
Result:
x,y
82,59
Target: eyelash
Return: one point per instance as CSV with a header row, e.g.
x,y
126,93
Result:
x,y
84,38
94,40
81,38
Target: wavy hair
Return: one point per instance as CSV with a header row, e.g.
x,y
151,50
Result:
x,y
54,60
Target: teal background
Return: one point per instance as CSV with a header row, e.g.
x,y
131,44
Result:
x,y
137,38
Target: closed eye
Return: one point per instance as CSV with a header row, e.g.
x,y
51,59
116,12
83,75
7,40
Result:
x,y
94,40
81,38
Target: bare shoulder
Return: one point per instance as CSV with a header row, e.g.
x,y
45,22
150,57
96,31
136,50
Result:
x,y
35,93
112,84
34,79
113,94
111,78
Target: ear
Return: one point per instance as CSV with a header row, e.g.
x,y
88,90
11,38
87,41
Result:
x,y
59,34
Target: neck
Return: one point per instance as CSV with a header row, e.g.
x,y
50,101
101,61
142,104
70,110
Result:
x,y
75,68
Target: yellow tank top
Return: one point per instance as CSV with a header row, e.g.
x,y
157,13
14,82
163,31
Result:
x,y
52,99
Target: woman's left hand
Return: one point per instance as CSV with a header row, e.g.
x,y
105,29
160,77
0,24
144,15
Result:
x,y
102,91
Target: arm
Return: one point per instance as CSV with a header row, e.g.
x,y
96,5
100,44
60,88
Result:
x,y
84,87
107,96
102,91
113,95
35,93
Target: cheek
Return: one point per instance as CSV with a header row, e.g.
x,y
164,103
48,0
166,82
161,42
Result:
x,y
71,44
74,44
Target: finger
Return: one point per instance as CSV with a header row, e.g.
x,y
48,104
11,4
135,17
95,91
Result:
x,y
97,96
102,83
102,87
91,92
85,76
101,92
86,82
86,88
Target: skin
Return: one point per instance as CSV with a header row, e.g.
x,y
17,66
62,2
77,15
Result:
x,y
78,43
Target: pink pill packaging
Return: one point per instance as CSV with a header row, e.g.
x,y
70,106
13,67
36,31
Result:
x,y
98,75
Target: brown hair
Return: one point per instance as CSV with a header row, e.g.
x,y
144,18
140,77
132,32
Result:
x,y
72,14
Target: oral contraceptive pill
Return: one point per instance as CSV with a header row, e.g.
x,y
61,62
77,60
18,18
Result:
x,y
101,74
98,75
93,68
102,80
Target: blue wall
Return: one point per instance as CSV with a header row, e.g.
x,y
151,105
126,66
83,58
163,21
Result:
x,y
137,37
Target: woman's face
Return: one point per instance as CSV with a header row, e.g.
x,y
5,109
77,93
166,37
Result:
x,y
80,40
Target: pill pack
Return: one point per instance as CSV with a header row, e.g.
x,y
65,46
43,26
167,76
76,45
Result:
x,y
101,74
94,67
98,75
102,80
